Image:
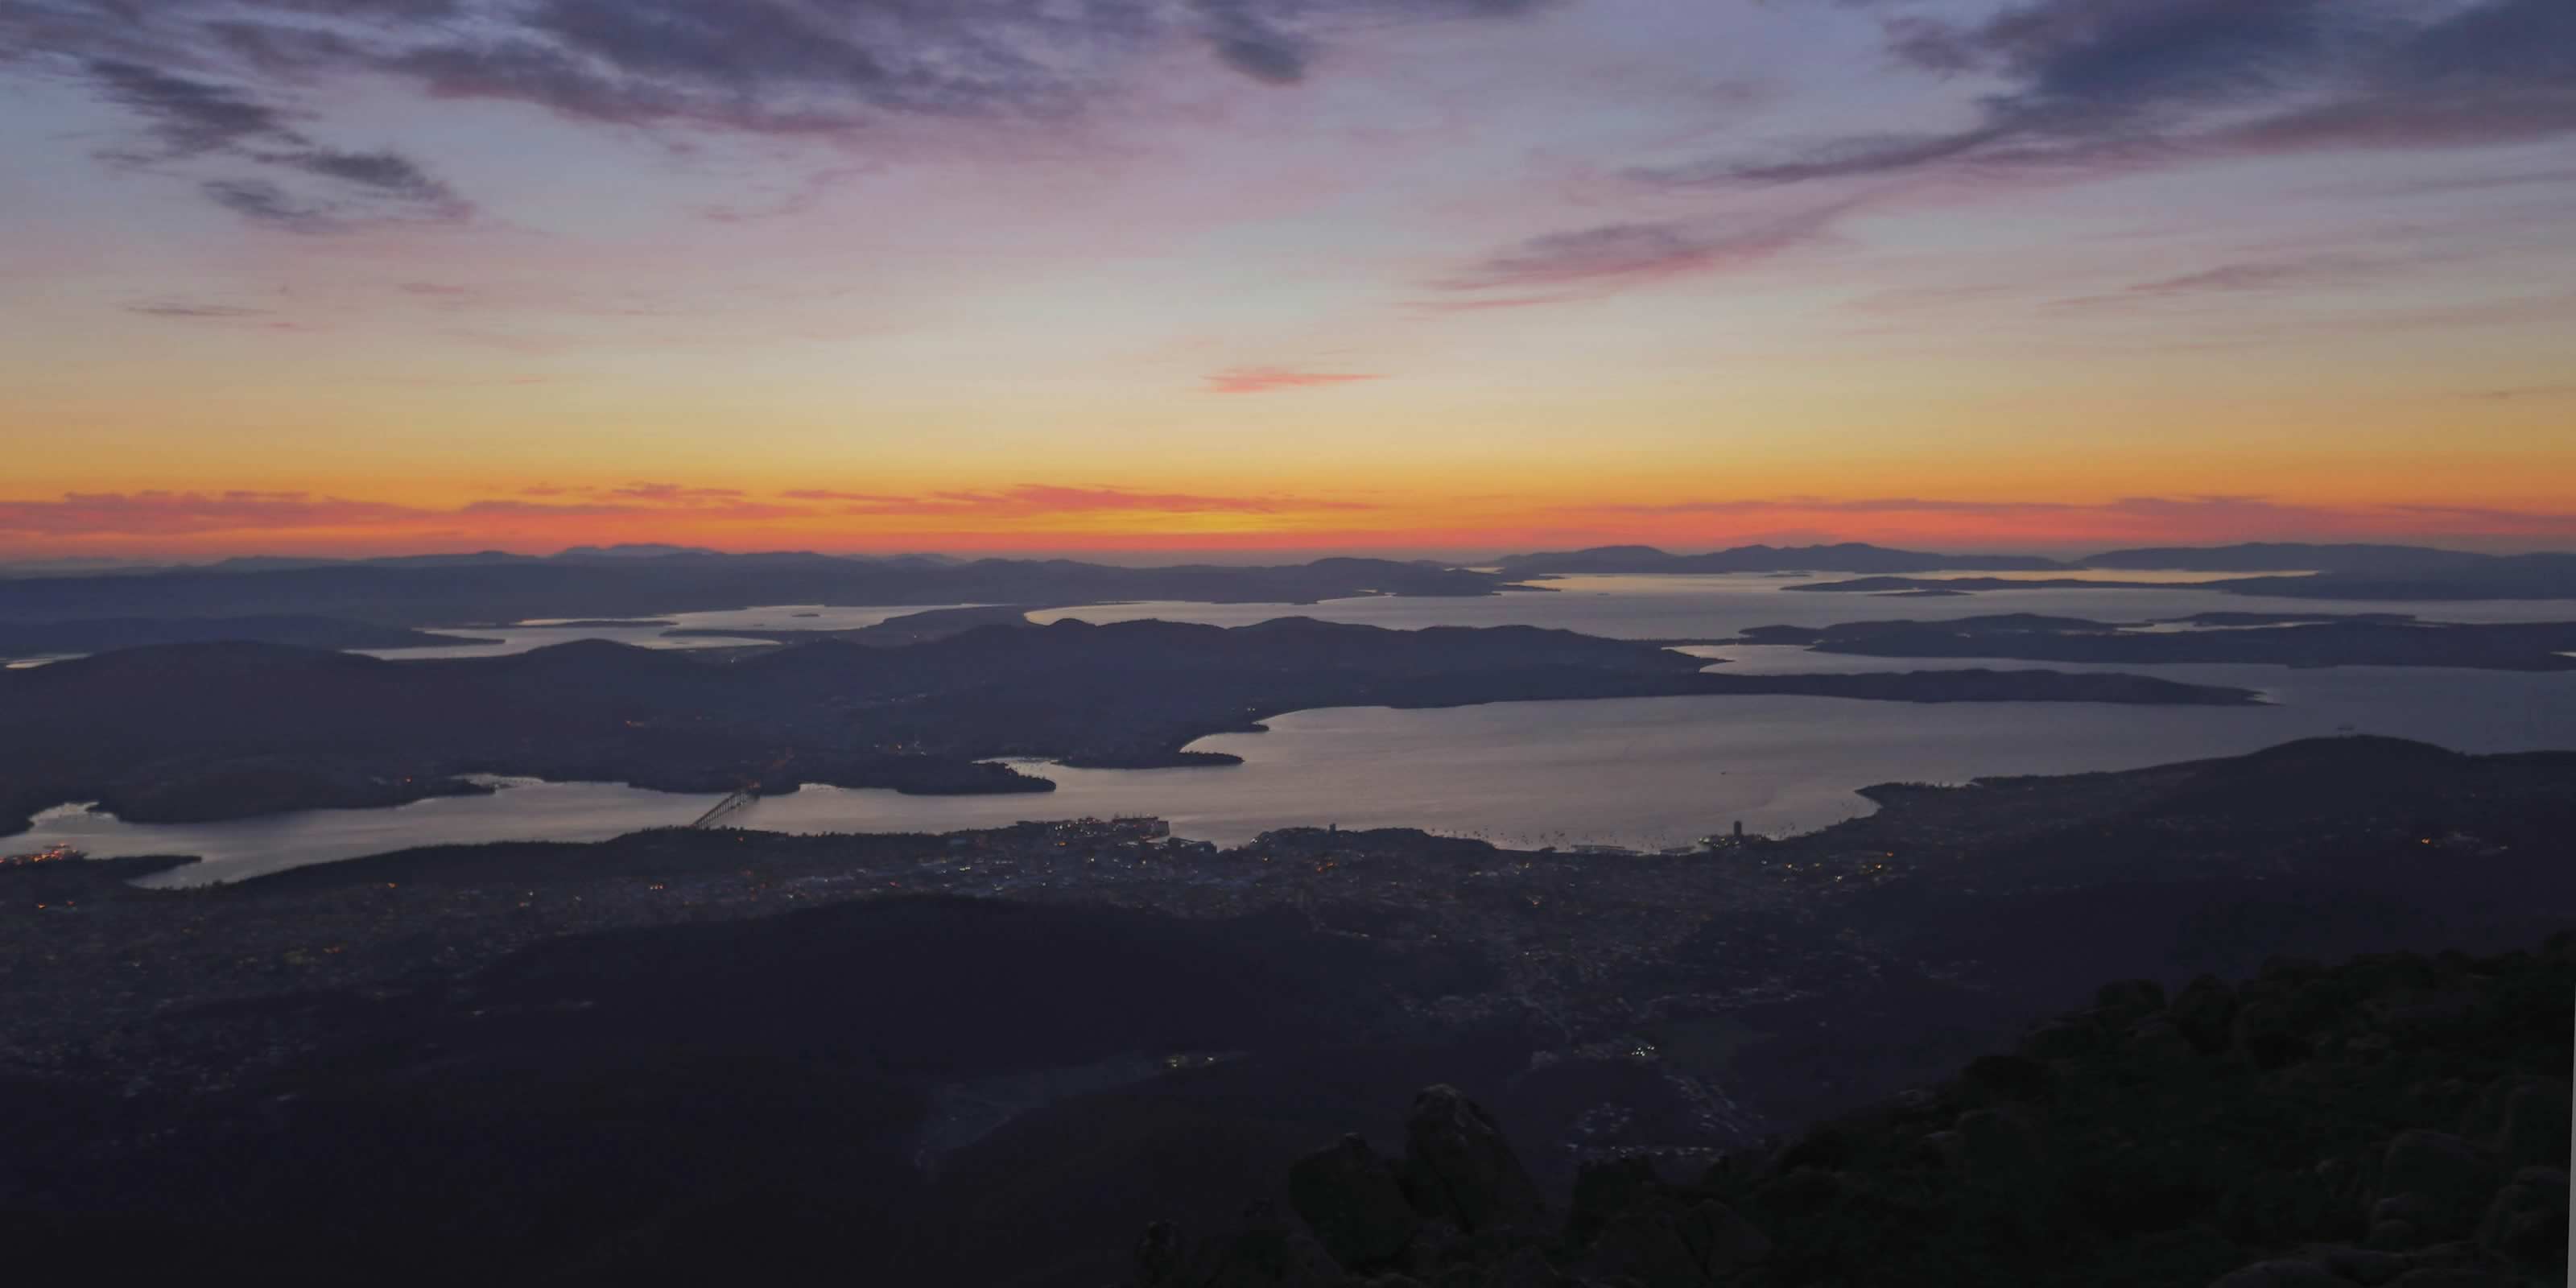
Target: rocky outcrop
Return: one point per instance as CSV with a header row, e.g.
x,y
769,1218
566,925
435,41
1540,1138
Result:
x,y
1266,1251
1459,1196
1458,1167
2433,1182
1354,1202
2400,1121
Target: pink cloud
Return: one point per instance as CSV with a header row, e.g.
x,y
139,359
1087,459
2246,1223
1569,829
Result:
x,y
125,515
827,494
2190,519
1039,498
673,493
637,495
1262,380
548,508
1493,303
174,513
1872,505
166,514
615,503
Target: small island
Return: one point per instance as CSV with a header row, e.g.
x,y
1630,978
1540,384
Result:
x,y
2282,639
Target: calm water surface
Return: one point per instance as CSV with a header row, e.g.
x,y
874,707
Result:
x,y
1719,605
1644,772
540,632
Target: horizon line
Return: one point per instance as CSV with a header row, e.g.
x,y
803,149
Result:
x,y
1453,556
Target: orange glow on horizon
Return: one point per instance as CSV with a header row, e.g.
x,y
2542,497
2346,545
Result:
x,y
1138,521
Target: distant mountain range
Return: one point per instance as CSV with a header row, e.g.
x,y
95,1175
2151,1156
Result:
x,y
1857,557
448,590
1846,557
74,567
2282,639
571,554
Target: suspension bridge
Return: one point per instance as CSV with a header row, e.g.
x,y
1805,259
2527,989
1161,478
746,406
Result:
x,y
727,808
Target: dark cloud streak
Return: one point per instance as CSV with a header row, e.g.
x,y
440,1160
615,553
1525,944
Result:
x,y
263,202
2128,83
191,119
1589,262
187,309
188,117
230,77
2243,277
1043,498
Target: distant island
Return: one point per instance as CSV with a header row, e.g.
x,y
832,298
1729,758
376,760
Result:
x,y
1860,557
98,635
2320,639
1844,557
193,732
1947,586
436,590
2307,571
908,628
307,601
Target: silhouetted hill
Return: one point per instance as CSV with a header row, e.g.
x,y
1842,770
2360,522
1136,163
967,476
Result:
x,y
281,563
733,1099
76,566
657,1059
2399,1119
1845,557
631,550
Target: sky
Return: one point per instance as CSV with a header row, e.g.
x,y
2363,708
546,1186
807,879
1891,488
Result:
x,y
1143,276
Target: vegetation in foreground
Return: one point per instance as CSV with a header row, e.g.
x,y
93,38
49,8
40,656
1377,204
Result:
x,y
2400,1119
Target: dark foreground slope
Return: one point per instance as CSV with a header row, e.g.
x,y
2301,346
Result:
x,y
743,1101
2400,1119
695,1055
229,730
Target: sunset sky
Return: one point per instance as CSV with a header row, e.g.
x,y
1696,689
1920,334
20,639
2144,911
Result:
x,y
368,276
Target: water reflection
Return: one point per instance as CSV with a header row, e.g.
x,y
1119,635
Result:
x,y
1703,607
657,632
1644,772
